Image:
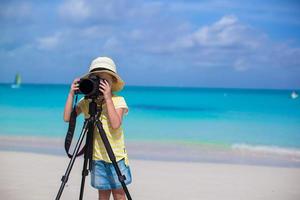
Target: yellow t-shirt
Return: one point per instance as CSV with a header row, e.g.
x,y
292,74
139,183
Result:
x,y
115,136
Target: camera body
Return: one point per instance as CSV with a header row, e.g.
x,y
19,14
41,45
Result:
x,y
90,86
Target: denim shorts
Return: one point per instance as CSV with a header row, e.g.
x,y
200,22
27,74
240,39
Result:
x,y
104,175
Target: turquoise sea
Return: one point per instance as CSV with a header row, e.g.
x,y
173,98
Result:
x,y
265,120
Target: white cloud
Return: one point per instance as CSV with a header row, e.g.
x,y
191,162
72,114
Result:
x,y
94,11
112,44
16,10
49,42
82,11
227,32
76,10
226,43
253,10
95,31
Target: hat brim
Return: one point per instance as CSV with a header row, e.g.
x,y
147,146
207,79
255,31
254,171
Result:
x,y
117,84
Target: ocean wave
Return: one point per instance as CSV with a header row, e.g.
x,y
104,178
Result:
x,y
267,149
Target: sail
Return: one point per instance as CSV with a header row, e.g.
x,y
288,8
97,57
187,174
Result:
x,y
18,79
17,82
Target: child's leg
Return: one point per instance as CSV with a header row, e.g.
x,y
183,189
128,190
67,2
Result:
x,y
118,194
104,194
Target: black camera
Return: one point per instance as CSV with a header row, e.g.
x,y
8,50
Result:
x,y
90,86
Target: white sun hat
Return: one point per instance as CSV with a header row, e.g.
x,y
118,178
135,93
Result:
x,y
107,65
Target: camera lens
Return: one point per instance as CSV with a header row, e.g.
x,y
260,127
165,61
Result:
x,y
86,86
90,86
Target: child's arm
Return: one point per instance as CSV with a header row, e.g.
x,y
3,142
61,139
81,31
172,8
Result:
x,y
69,102
115,115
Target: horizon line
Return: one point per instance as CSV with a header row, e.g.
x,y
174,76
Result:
x,y
170,86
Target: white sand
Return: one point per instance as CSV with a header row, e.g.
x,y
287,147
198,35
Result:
x,y
37,177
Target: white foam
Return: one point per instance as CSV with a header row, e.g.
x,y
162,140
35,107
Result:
x,y
267,149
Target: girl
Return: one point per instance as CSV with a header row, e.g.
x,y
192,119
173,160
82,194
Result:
x,y
103,175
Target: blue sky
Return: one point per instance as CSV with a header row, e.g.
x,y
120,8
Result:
x,y
244,44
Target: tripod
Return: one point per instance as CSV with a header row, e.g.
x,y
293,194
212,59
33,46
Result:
x,y
88,130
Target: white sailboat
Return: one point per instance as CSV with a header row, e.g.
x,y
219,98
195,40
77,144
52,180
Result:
x,y
294,95
17,82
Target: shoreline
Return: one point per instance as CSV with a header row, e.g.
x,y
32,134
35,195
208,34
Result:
x,y
37,176
160,151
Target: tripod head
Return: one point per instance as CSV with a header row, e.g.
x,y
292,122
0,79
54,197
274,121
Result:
x,y
95,106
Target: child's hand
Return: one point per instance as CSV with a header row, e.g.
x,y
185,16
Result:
x,y
105,88
74,86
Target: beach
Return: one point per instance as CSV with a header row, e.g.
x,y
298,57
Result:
x,y
37,176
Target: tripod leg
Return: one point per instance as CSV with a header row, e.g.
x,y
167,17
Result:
x,y
87,157
112,157
65,177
